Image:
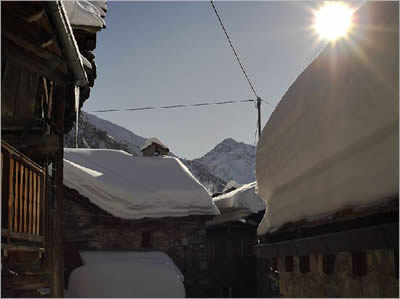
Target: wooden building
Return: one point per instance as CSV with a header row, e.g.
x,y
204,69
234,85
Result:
x,y
42,69
327,166
115,201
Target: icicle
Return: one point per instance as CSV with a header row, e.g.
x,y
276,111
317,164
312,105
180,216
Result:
x,y
77,114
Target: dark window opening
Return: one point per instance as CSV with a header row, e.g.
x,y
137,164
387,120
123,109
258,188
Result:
x,y
304,264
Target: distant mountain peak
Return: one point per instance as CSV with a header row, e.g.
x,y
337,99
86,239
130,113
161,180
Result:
x,y
231,160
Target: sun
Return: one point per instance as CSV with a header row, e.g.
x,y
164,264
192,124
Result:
x,y
333,20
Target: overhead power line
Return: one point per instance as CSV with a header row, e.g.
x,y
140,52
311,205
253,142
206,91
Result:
x,y
233,49
175,106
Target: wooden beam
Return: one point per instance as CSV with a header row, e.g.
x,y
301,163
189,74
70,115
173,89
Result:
x,y
29,11
361,239
22,236
33,34
57,267
35,145
53,69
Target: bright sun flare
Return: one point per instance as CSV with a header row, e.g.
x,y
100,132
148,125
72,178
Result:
x,y
333,20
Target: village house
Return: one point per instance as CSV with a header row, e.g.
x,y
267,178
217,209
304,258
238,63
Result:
x,y
43,69
327,167
232,237
116,201
154,147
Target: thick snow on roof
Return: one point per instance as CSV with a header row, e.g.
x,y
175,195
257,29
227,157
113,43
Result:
x,y
136,187
86,13
332,142
125,279
244,197
90,257
152,140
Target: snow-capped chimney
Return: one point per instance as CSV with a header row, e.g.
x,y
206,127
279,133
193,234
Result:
x,y
154,147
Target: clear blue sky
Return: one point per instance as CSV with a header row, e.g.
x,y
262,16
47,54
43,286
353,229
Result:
x,y
166,53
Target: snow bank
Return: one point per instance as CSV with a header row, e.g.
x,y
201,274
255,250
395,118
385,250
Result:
x,y
125,279
332,142
91,257
86,13
152,140
244,197
135,187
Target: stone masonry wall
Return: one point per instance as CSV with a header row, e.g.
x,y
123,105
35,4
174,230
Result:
x,y
380,279
184,239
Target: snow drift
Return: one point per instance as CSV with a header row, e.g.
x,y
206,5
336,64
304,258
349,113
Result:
x,y
332,142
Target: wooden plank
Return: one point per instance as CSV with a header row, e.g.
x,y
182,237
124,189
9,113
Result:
x,y
11,194
34,204
16,198
40,178
21,196
26,199
30,203
22,236
14,247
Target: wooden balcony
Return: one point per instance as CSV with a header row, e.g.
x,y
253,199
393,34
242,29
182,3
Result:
x,y
23,185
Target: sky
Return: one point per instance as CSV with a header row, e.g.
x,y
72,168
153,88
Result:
x,y
168,53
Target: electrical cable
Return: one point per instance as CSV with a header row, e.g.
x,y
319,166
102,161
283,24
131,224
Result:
x,y
233,49
175,106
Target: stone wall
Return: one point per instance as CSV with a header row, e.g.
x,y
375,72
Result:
x,y
379,281
184,239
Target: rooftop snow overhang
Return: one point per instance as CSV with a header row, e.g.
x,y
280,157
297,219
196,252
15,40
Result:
x,y
68,43
333,140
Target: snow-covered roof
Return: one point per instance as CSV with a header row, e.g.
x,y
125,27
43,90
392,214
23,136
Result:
x,y
152,140
125,279
244,197
237,204
136,187
332,142
86,13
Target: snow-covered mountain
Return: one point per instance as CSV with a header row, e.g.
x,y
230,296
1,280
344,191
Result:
x,y
231,160
228,160
95,132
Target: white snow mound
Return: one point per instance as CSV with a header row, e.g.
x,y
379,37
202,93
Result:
x,y
135,187
91,257
244,197
125,279
85,13
333,140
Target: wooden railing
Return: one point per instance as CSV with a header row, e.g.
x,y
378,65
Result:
x,y
23,184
